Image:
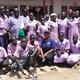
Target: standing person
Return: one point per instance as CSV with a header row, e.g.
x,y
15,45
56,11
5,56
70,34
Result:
x,y
42,27
53,27
63,47
74,56
69,15
73,25
31,25
63,24
3,29
47,20
15,23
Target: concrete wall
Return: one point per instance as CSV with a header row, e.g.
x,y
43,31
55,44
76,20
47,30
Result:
x,y
24,2
56,3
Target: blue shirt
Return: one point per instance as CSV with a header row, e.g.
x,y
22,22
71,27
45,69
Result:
x,y
47,45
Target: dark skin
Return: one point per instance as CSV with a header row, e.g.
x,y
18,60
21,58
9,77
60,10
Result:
x,y
16,13
31,16
42,22
46,17
14,42
77,14
61,38
63,15
47,36
53,18
7,12
75,38
23,45
73,15
25,12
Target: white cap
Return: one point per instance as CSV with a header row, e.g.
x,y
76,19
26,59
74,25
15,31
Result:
x,y
53,14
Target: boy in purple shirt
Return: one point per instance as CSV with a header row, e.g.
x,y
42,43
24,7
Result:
x,y
63,47
3,57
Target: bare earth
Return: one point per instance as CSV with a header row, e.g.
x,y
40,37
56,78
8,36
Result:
x,y
64,74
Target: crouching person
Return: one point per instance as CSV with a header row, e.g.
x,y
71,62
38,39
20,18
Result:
x,y
11,49
63,47
3,58
74,56
48,47
21,56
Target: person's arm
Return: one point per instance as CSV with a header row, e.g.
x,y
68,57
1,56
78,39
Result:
x,y
40,35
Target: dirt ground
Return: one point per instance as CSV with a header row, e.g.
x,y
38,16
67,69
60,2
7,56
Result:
x,y
63,74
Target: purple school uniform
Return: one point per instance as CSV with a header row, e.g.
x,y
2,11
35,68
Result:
x,y
73,28
15,25
31,25
75,55
20,52
54,30
62,24
62,46
3,54
11,49
41,30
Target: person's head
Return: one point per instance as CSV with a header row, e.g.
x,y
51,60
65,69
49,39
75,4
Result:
x,y
77,14
31,16
70,11
59,16
46,17
7,12
16,12
63,15
75,38
61,36
47,34
24,42
2,11
25,12
73,15
14,40
32,38
53,17
42,21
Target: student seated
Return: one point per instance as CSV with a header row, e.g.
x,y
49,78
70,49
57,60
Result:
x,y
63,47
20,56
12,48
34,44
48,46
74,56
3,58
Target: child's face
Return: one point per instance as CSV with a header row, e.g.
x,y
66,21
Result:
x,y
46,35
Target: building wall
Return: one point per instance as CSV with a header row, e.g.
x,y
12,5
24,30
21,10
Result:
x,y
56,3
24,2
59,3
